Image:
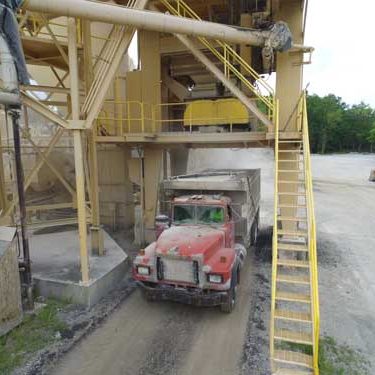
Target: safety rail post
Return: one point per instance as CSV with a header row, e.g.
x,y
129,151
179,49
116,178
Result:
x,y
314,285
153,118
142,117
275,234
191,118
128,115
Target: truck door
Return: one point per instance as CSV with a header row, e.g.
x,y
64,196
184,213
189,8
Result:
x,y
230,236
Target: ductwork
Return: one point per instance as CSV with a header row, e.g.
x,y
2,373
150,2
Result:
x,y
9,95
278,36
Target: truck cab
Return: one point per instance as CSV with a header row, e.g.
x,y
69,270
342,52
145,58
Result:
x,y
209,220
196,259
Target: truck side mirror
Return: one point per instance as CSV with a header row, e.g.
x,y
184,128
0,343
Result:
x,y
162,222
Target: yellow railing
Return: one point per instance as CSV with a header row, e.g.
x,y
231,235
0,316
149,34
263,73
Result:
x,y
230,59
275,234
120,117
311,238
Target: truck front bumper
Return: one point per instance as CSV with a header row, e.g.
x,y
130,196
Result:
x,y
183,295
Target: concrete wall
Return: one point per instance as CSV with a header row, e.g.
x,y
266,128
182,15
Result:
x,y
115,188
10,287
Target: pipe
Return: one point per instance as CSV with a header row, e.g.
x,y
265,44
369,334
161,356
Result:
x,y
9,99
154,21
9,95
26,275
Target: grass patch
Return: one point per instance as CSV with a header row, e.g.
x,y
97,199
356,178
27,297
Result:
x,y
334,359
337,359
35,333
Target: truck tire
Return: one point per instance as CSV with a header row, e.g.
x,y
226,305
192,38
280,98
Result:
x,y
148,296
229,306
254,233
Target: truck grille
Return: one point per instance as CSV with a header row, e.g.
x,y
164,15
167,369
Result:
x,y
178,270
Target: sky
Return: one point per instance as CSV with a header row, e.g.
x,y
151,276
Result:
x,y
344,56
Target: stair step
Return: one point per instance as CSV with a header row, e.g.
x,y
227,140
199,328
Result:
x,y
291,247
293,316
290,218
293,263
291,171
292,206
288,371
293,151
294,233
295,182
293,279
292,358
291,194
290,161
293,336
293,297
290,141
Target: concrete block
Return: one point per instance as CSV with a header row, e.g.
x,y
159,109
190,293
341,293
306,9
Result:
x,y
56,268
11,313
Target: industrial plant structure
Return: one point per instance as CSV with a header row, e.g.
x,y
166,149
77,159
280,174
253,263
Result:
x,y
100,127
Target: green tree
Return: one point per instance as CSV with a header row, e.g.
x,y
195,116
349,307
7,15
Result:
x,y
325,114
337,127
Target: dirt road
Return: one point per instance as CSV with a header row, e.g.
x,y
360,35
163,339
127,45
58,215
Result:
x,y
164,338
143,338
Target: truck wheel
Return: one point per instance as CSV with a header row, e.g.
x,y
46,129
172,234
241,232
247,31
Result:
x,y
254,233
228,306
148,296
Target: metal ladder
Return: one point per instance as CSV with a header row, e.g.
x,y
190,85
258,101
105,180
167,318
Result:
x,y
233,64
294,330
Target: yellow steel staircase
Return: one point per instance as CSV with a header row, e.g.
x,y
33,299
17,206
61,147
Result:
x,y
233,64
294,331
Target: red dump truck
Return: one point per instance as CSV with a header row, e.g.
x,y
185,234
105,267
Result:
x,y
209,220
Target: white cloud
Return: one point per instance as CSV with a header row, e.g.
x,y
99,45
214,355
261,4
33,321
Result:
x,y
341,32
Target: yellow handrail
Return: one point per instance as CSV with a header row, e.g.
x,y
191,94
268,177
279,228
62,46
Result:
x,y
275,230
311,238
143,117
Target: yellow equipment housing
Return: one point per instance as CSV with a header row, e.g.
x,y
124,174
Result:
x,y
216,112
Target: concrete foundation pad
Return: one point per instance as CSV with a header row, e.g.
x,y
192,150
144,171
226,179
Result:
x,y
56,268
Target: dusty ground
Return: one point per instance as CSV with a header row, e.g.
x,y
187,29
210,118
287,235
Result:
x,y
167,338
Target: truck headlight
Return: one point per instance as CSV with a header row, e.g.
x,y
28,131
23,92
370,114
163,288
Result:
x,y
144,271
215,279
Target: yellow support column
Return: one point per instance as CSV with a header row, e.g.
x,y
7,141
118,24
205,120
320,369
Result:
x,y
289,70
145,86
78,150
289,75
97,245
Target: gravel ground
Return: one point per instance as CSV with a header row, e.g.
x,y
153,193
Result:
x,y
166,338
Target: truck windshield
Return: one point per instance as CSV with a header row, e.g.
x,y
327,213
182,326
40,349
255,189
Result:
x,y
196,214
184,214
210,215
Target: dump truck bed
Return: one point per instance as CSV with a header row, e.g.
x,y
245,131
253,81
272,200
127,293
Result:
x,y
242,186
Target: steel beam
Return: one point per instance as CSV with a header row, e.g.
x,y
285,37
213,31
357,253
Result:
x,y
97,242
98,91
78,150
43,110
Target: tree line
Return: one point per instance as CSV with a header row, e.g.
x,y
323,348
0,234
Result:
x,y
338,127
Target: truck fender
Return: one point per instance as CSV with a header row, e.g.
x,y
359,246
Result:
x,y
241,253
